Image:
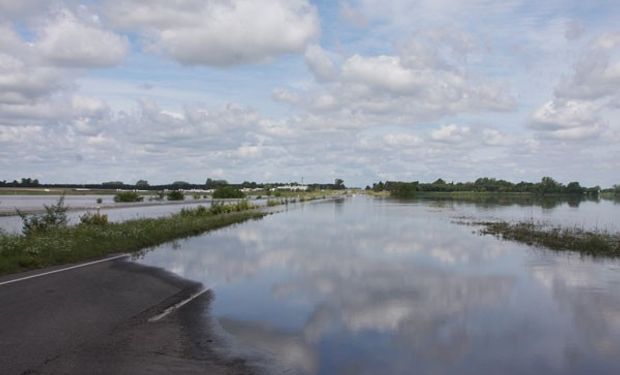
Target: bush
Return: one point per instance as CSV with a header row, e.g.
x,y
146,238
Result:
x,y
198,211
128,196
273,202
99,200
227,192
55,216
93,219
175,195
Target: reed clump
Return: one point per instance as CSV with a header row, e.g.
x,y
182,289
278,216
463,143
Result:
x,y
588,242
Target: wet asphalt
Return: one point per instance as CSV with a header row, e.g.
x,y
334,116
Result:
x,y
94,320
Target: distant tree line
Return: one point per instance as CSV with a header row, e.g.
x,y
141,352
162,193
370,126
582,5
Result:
x,y
25,182
176,185
547,185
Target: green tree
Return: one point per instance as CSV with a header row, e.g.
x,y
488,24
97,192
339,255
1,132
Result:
x,y
227,192
574,188
214,184
141,184
175,195
339,184
549,186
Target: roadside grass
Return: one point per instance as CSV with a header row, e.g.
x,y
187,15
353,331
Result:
x,y
588,242
60,245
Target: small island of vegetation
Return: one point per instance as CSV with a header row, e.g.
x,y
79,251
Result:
x,y
589,242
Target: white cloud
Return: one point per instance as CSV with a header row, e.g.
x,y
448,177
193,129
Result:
x,y
569,120
69,42
427,79
583,106
319,63
217,32
493,137
597,73
451,133
402,140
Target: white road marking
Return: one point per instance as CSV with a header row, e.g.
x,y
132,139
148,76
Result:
x,y
177,306
64,269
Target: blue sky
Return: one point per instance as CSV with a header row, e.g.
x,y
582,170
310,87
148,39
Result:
x,y
276,90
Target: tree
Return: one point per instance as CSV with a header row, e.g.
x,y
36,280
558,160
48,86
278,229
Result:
x,y
112,184
574,188
549,185
142,184
175,195
214,184
180,184
339,184
227,192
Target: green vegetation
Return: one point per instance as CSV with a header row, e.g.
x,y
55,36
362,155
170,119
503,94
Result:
x,y
274,202
55,216
94,219
594,243
218,208
547,186
127,197
175,195
95,237
227,192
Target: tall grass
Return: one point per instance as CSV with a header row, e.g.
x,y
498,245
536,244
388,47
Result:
x,y
594,243
94,238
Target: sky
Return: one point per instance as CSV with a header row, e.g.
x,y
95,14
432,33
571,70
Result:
x,y
285,90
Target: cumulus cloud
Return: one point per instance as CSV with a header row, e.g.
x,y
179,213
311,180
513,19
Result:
x,y
10,9
451,133
22,77
583,104
69,42
218,32
597,73
425,79
319,63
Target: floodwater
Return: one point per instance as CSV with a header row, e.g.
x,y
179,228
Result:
x,y
13,224
372,286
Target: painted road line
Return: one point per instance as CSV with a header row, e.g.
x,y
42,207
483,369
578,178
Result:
x,y
64,269
177,306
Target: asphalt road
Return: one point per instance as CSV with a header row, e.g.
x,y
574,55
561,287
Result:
x,y
95,320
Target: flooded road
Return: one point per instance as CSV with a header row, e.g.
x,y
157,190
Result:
x,y
367,286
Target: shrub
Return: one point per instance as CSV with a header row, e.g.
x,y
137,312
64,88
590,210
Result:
x,y
55,216
193,212
175,195
128,196
227,192
94,219
273,202
99,200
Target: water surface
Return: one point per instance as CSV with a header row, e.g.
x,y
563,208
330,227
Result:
x,y
367,286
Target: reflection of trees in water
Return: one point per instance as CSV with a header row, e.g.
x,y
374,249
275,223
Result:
x,y
526,200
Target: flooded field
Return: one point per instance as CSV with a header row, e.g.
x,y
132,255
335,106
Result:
x,y
13,223
367,286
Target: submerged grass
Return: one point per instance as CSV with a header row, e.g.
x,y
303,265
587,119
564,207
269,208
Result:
x,y
81,242
593,243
